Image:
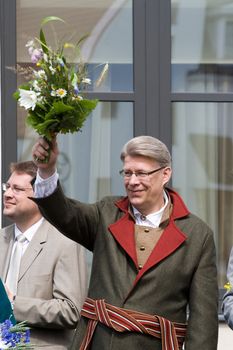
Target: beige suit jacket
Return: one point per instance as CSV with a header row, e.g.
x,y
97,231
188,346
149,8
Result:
x,y
51,286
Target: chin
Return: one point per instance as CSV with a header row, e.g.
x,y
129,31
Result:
x,y
7,213
136,202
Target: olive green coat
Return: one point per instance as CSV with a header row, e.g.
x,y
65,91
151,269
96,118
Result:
x,y
180,272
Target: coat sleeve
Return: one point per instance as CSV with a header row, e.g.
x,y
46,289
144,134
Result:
x,y
202,331
227,305
64,294
76,220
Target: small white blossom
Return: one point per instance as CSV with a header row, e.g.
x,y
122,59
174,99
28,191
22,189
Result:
x,y
86,81
40,74
41,99
60,61
27,99
36,86
30,43
61,92
3,345
52,70
45,57
53,93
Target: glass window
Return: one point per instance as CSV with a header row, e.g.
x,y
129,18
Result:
x,y
202,50
203,168
108,24
89,163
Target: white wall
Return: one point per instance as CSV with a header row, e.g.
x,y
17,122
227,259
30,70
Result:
x,y
225,341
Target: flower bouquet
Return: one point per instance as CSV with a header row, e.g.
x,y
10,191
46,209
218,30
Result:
x,y
54,96
14,337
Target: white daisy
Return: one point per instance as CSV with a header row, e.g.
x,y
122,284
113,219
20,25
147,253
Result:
x,y
61,92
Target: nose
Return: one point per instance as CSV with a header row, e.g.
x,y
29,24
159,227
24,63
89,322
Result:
x,y
133,179
7,193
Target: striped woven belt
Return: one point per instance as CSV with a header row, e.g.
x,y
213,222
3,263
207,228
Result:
x,y
123,320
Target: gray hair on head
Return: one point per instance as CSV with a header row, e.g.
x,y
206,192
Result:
x,y
147,146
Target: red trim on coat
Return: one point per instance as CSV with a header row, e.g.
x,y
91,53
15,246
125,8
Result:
x,y
171,239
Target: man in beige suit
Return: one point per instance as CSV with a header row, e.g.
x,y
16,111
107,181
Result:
x,y
52,282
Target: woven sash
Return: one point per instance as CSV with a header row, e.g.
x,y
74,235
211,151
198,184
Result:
x,y
123,320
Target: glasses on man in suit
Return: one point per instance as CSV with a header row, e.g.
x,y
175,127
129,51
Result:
x,y
14,188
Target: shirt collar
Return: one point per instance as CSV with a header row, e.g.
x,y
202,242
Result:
x,y
29,233
152,219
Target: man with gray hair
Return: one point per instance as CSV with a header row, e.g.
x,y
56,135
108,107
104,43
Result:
x,y
152,259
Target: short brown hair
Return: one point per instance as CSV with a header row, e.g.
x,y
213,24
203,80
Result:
x,y
28,167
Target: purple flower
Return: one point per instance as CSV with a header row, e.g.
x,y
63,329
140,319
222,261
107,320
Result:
x,y
76,89
14,336
36,55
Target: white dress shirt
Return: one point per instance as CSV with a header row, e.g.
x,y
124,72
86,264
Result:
x,y
152,220
29,233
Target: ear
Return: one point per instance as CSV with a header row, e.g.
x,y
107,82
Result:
x,y
167,172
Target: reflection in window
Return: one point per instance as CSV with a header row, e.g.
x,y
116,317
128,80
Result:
x,y
202,54
108,23
203,168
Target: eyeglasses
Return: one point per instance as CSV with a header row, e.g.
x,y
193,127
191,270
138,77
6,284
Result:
x,y
15,189
139,174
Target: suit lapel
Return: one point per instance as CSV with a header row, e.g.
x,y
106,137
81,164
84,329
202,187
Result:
x,y
34,248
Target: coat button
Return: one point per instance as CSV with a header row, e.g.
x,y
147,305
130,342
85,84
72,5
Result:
x,y
142,248
146,230
140,266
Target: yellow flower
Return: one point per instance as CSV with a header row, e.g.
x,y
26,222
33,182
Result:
x,y
228,286
68,45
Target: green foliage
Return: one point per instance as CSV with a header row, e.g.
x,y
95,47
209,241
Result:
x,y
61,118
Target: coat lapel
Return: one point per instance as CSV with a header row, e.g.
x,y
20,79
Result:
x,y
123,232
171,239
34,248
